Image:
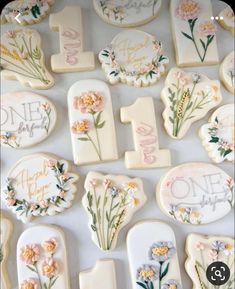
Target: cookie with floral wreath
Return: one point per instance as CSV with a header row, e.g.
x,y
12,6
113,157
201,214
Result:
x,y
26,12
42,258
39,185
227,72
195,193
152,255
210,262
227,18
134,57
217,135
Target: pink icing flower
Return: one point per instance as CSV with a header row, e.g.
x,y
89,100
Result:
x,y
29,284
11,202
200,246
30,254
80,127
51,163
64,177
50,245
228,12
49,267
91,101
229,182
61,194
187,10
182,77
207,28
213,254
46,106
33,207
107,183
93,183
43,204
11,34
10,194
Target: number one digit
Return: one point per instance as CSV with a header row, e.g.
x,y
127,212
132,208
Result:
x,y
71,57
147,153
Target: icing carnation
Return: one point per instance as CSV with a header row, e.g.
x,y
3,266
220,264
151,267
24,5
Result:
x,y
187,10
207,28
87,102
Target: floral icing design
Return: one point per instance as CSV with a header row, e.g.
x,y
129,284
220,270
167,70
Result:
x,y
227,72
26,208
22,55
41,262
226,19
9,139
186,215
189,11
151,276
90,103
112,12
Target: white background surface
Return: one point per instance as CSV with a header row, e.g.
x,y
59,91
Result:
x,y
82,253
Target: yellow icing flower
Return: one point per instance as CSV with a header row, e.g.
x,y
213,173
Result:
x,y
159,251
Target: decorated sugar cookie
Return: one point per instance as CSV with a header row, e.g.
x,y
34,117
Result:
x,y
226,19
147,154
39,185
5,233
152,255
23,59
196,193
26,119
210,262
91,122
227,72
71,57
103,274
187,98
25,12
218,134
42,258
194,33
127,13
133,57
110,202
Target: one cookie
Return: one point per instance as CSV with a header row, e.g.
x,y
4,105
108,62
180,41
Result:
x,y
210,262
91,122
218,134
39,185
152,255
133,57
23,59
127,13
5,233
187,98
226,19
26,119
71,57
42,258
110,202
25,12
103,274
193,32
227,72
196,193
147,154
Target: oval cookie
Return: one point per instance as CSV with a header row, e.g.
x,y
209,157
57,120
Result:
x,y
218,134
127,13
23,59
39,185
133,57
227,72
26,119
152,255
42,258
226,19
196,193
25,12
110,202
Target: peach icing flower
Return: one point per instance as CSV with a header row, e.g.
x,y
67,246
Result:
x,y
29,284
50,245
30,254
81,126
11,202
228,12
188,9
11,34
207,28
93,183
91,101
107,183
43,204
51,163
49,267
61,194
200,246
46,105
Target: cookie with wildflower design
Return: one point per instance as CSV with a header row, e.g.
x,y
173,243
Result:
x,y
194,33
227,18
39,185
187,98
134,57
110,202
5,234
196,193
152,255
42,259
26,119
218,134
22,59
92,125
227,72
210,251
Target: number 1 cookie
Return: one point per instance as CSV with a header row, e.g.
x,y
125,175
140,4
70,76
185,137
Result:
x,y
23,59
